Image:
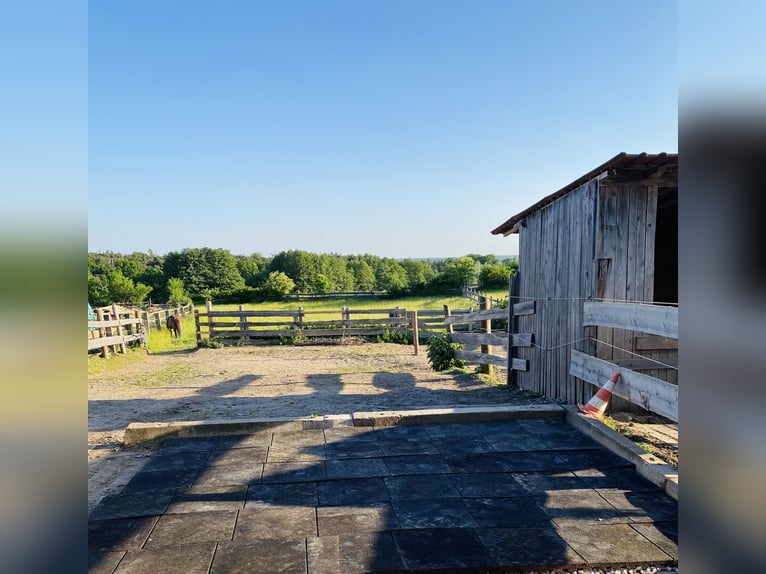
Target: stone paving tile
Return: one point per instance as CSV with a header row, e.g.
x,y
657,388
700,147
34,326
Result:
x,y
132,505
516,512
625,478
642,506
463,443
268,522
416,464
205,499
663,534
357,491
439,431
187,559
171,459
250,440
353,449
441,548
528,547
178,444
408,432
262,557
356,468
487,485
507,428
175,529
238,456
513,443
580,506
477,463
104,562
293,472
613,543
411,487
335,520
433,513
407,446
353,554
120,534
298,438
348,434
158,480
308,453
229,475
542,482
550,460
297,494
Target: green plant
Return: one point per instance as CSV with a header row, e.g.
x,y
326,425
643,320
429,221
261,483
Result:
x,y
441,353
397,337
208,343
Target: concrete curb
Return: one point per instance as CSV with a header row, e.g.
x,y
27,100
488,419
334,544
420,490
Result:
x,y
138,433
457,415
650,467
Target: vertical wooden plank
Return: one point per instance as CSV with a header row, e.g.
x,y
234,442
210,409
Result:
x,y
651,227
485,327
242,325
197,328
102,332
513,291
118,329
448,313
415,334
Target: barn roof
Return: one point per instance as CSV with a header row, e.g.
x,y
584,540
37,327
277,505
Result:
x,y
637,166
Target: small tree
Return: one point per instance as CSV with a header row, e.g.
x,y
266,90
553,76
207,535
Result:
x,y
176,293
279,285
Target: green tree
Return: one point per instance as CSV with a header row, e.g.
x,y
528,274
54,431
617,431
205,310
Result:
x,y
460,272
123,290
364,276
494,276
98,290
418,273
303,267
279,285
205,272
390,275
176,292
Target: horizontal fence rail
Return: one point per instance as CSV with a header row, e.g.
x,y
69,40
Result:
x,y
114,328
654,319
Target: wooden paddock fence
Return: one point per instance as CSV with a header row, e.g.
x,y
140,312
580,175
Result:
x,y
238,327
488,341
115,329
336,295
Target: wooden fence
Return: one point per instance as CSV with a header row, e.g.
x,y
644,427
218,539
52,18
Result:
x,y
474,295
244,327
336,295
649,392
115,329
153,317
486,339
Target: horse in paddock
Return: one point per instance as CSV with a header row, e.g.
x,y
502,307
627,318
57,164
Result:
x,y
174,325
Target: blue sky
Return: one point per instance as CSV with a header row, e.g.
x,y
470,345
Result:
x,y
397,128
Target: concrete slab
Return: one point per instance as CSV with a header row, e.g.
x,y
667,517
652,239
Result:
x,y
433,513
663,534
507,512
416,464
442,548
119,534
189,559
544,482
133,505
487,485
371,517
104,562
206,499
530,548
160,480
407,446
293,472
244,456
414,487
603,544
356,468
262,557
353,449
580,506
268,522
353,553
229,475
351,491
298,494
179,529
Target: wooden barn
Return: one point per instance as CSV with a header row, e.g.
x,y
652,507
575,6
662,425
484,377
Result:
x,y
597,288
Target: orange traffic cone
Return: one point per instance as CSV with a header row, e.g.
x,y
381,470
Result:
x,y
597,405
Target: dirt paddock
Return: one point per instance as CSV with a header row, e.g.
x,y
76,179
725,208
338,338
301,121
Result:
x,y
265,381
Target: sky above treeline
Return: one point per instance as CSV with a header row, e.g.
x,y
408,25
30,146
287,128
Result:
x,y
396,128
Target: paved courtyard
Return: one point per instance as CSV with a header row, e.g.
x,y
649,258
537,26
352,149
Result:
x,y
504,496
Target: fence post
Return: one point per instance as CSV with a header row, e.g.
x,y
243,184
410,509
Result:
x,y
158,320
242,325
197,327
448,313
102,332
513,292
415,335
486,327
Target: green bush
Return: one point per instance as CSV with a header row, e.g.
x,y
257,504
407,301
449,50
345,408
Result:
x,y
441,353
396,337
208,343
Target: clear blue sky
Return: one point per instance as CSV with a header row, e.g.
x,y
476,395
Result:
x,y
397,128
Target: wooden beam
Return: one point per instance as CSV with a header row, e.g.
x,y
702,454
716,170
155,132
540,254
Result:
x,y
652,394
481,358
525,308
655,343
647,364
477,316
479,339
654,319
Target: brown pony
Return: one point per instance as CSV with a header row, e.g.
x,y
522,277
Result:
x,y
174,325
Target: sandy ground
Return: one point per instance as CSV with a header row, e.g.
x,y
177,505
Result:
x,y
268,381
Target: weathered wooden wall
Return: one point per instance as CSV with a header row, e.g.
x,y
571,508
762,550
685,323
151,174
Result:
x,y
597,242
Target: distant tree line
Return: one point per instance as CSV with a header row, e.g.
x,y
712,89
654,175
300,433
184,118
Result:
x,y
202,274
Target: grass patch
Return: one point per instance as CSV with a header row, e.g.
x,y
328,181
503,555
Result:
x,y
609,421
162,342
169,375
98,365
